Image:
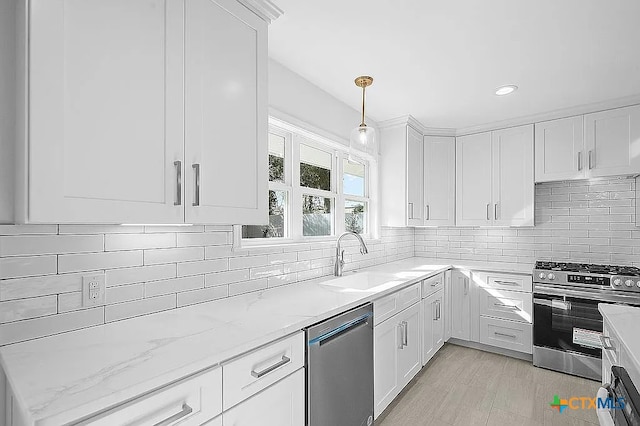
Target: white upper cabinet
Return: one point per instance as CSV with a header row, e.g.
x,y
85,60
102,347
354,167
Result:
x,y
144,111
105,111
414,177
473,180
401,176
513,186
559,150
612,142
601,144
439,180
225,113
494,184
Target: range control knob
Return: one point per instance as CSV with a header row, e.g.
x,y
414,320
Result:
x,y
543,276
628,283
617,282
551,276
638,284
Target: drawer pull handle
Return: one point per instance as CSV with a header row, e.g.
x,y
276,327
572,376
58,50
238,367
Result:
x,y
504,305
510,283
186,410
437,283
606,346
258,374
513,336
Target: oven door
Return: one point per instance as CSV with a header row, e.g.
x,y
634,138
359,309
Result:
x,y
569,324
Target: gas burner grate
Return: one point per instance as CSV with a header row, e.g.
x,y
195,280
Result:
x,y
587,268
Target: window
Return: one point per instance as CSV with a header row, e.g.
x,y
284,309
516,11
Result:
x,y
315,189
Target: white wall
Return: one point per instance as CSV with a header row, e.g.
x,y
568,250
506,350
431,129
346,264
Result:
x,y
7,107
291,94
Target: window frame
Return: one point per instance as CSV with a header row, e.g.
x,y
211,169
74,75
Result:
x,y
294,137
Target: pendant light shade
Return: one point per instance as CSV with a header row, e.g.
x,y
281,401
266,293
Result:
x,y
362,138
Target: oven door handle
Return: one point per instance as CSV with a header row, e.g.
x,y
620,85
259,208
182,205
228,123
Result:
x,y
545,302
565,305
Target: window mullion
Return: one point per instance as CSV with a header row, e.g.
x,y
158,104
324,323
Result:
x,y
296,194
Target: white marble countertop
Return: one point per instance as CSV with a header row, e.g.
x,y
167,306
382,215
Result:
x,y
62,378
624,320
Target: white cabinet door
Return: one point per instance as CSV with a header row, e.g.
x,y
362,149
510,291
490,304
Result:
x,y
460,306
410,356
513,186
415,178
473,180
559,150
447,306
386,348
105,111
439,180
225,114
432,325
281,404
612,142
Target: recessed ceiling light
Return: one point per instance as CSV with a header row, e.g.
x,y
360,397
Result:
x,y
505,90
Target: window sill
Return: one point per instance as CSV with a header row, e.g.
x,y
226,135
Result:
x,y
243,245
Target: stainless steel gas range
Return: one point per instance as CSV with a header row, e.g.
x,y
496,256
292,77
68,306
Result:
x,y
567,326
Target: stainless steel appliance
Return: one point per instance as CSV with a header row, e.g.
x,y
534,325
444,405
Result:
x,y
624,399
340,370
567,326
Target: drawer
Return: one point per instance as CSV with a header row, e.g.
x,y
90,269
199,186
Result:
x,y
511,305
390,305
192,401
433,284
250,373
505,334
502,281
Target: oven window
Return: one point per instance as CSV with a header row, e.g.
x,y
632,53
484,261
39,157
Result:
x,y
567,324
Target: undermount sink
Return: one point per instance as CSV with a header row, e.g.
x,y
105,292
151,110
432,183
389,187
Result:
x,y
363,281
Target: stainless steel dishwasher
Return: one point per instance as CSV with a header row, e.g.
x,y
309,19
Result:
x,y
340,370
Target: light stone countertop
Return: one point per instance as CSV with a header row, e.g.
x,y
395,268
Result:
x,y
65,377
625,321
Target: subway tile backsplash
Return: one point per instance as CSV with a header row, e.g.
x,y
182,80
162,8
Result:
x,y
580,221
150,269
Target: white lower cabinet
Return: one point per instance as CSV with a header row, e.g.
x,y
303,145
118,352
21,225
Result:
x,y
397,355
460,305
505,334
281,404
433,313
192,401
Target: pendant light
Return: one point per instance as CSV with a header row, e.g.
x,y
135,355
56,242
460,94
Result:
x,y
362,137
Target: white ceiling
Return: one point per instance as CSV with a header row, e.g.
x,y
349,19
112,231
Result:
x,y
441,61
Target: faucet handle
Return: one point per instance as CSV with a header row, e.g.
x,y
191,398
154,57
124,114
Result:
x,y
342,256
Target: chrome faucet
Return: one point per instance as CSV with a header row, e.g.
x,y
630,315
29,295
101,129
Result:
x,y
337,270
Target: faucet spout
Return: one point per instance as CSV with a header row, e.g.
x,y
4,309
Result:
x,y
339,263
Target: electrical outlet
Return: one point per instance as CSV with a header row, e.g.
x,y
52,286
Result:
x,y
93,289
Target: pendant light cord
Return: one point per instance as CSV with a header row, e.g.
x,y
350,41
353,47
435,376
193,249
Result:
x,y
363,89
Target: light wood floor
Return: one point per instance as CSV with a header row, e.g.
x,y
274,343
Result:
x,y
462,386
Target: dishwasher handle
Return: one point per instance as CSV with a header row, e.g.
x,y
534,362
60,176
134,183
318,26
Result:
x,y
341,329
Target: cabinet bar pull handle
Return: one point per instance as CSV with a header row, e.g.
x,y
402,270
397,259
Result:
x,y
495,211
503,305
513,336
428,212
401,325
196,171
510,283
258,374
405,338
579,160
489,211
435,311
178,166
605,345
186,410
466,286
591,162
410,210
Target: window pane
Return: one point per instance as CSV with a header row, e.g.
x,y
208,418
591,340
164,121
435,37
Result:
x,y
316,216
276,158
353,178
315,168
355,216
277,219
